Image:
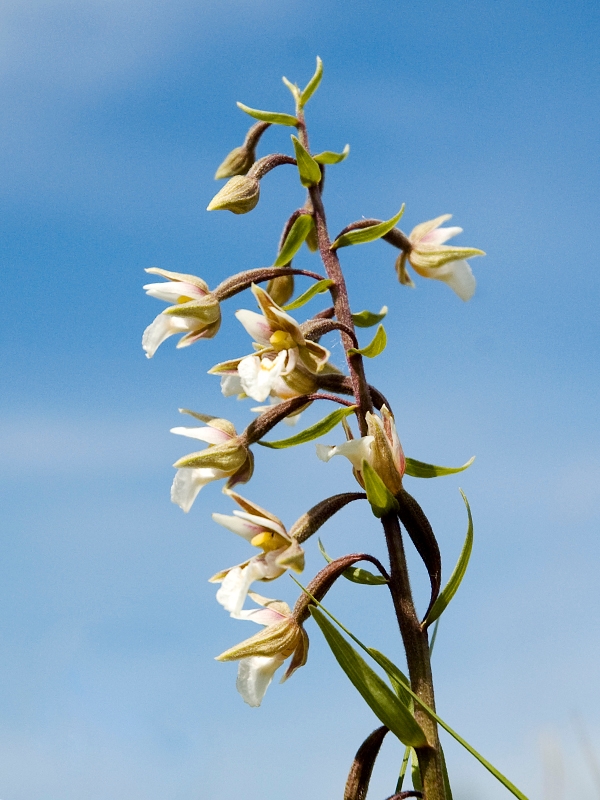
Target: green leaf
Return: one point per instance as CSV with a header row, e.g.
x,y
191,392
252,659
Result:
x,y
381,700
445,773
329,157
419,469
455,580
356,574
379,496
317,288
312,85
270,116
295,90
318,429
366,319
496,773
403,770
373,349
310,172
365,235
397,678
294,240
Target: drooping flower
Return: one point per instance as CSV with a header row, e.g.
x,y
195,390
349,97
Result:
x,y
195,312
285,364
431,258
262,655
381,449
227,456
279,552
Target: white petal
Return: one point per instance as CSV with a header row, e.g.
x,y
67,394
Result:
x,y
356,451
231,385
243,528
440,235
207,434
263,522
259,374
254,676
188,482
325,451
458,276
256,325
262,616
171,292
163,327
234,589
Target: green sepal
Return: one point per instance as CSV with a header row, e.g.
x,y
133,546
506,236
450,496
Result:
x,y
366,319
355,574
310,172
373,349
380,699
317,288
312,85
419,469
450,589
379,496
329,157
274,117
314,431
294,240
370,234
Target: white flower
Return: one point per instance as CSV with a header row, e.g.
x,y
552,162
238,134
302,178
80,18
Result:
x,y
431,258
227,456
195,311
262,655
279,552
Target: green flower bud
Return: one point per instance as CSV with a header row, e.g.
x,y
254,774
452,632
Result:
x,y
238,162
239,195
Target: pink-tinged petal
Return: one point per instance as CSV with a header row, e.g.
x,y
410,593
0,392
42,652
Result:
x,y
171,292
440,235
207,434
163,327
256,325
234,589
231,385
262,616
254,676
241,527
188,482
263,522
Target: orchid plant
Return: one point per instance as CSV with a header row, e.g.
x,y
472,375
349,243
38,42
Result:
x,y
291,369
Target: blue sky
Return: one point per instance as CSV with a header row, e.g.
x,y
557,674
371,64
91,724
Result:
x,y
115,116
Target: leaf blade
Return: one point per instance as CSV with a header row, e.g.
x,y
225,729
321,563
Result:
x,y
374,348
366,319
365,235
294,240
381,700
420,469
450,589
330,157
310,172
313,432
274,117
379,496
317,288
355,574
313,84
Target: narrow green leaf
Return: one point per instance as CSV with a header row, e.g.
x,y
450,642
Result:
x,y
312,85
270,116
455,580
445,773
295,90
329,157
366,319
318,429
496,773
379,496
381,700
419,469
415,772
397,678
365,235
373,349
294,240
317,288
355,574
310,172
403,767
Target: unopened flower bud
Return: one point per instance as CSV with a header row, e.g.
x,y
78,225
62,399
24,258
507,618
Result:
x,y
238,162
239,195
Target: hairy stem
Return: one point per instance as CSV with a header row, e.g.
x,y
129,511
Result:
x,y
417,656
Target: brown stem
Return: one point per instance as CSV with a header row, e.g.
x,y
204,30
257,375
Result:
x,y
254,134
315,329
339,295
394,237
343,384
260,168
417,656
238,283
